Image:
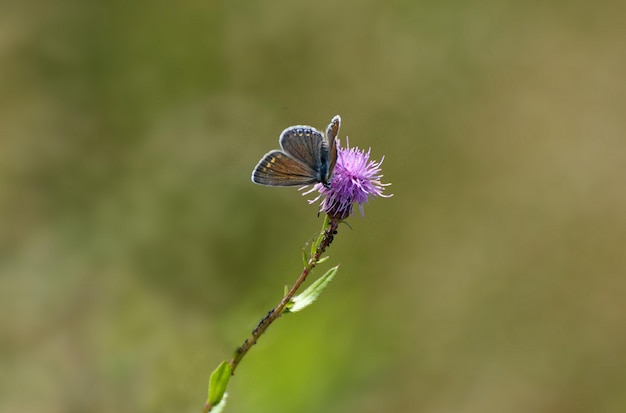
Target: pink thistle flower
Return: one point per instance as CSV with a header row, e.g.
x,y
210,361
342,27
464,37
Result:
x,y
356,179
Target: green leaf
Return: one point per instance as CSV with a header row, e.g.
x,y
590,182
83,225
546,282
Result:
x,y
315,245
321,260
218,382
308,296
218,408
317,242
305,259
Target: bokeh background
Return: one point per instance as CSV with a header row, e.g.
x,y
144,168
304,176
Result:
x,y
135,253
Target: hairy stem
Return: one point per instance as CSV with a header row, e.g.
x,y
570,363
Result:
x,y
329,229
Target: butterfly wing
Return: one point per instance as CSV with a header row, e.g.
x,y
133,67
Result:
x,y
277,168
305,144
331,141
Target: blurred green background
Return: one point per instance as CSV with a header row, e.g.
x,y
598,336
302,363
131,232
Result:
x,y
135,253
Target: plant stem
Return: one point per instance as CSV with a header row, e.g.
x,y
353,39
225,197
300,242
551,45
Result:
x,y
329,229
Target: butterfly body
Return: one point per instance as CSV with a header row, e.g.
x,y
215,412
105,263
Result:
x,y
306,157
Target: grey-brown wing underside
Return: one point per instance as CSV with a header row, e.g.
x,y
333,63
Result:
x,y
305,144
277,168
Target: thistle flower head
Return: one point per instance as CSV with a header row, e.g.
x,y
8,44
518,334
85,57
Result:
x,y
356,179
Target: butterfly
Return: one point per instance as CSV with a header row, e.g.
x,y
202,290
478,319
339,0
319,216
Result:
x,y
307,157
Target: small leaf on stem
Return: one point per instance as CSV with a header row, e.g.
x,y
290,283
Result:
x,y
308,296
318,241
218,408
321,260
218,382
305,259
